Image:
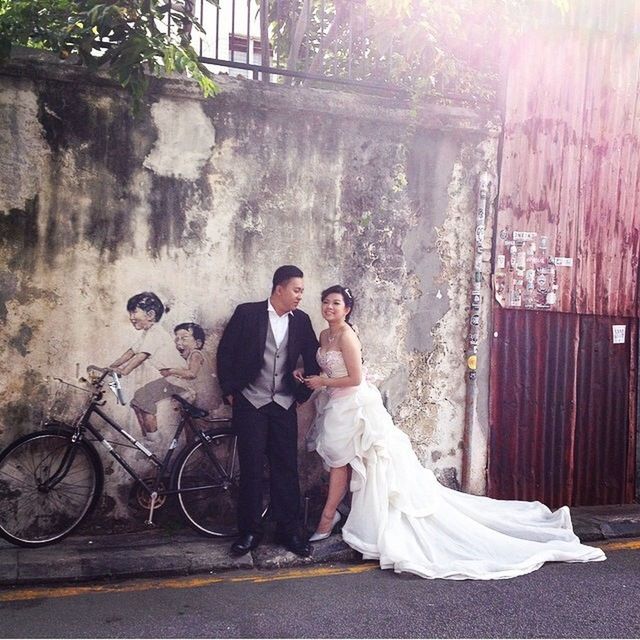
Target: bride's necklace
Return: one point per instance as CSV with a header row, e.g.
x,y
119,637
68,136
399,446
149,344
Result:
x,y
331,338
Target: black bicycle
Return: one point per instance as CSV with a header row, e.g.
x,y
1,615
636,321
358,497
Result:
x,y
51,480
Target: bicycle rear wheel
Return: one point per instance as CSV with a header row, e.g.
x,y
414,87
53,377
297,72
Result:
x,y
48,485
208,492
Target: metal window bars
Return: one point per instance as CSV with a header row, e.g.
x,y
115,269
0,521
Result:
x,y
309,41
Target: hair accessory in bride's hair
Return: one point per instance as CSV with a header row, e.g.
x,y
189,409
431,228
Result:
x,y
348,292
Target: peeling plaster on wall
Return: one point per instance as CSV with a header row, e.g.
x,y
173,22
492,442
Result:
x,y
436,400
24,151
313,177
375,214
19,235
81,121
86,177
455,247
23,400
431,167
8,288
20,341
185,139
139,212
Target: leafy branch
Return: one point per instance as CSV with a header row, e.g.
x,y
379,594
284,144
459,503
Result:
x,y
433,47
131,39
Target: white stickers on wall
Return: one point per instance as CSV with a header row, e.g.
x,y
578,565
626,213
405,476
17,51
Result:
x,y
619,333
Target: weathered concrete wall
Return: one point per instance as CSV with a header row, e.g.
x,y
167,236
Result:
x,y
199,200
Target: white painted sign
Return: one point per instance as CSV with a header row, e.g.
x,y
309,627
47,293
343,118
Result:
x,y
619,333
501,261
563,262
524,236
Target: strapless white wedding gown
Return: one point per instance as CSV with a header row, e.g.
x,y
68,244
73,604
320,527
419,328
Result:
x,y
402,516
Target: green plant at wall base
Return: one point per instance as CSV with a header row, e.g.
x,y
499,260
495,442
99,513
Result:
x,y
130,39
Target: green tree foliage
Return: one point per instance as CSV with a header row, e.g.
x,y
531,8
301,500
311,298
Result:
x,y
129,38
436,47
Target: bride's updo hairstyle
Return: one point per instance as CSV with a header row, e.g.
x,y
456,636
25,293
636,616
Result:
x,y
347,296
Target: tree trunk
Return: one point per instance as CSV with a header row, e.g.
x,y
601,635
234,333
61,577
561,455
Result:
x,y
298,35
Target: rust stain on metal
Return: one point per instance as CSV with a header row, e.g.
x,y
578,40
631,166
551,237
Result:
x,y
563,393
570,169
605,394
562,408
533,411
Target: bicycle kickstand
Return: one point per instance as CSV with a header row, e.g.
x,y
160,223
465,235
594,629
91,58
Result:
x,y
154,497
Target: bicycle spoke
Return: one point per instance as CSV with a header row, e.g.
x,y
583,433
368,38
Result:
x,y
207,487
34,510
16,479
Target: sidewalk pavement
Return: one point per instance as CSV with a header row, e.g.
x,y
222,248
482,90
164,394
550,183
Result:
x,y
154,552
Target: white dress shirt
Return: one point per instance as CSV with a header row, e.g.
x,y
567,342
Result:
x,y
279,324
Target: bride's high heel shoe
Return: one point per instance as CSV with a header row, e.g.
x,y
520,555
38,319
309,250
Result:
x,y
323,536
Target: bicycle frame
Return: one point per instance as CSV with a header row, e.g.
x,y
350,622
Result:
x,y
162,466
52,478
62,470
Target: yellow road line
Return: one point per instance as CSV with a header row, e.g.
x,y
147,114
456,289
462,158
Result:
x,y
615,546
255,577
185,583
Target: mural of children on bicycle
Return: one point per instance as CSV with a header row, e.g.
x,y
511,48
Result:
x,y
174,365
197,371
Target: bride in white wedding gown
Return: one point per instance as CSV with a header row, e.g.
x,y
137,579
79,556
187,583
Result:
x,y
400,514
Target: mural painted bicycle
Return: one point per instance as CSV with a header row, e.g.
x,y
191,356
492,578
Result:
x,y
51,480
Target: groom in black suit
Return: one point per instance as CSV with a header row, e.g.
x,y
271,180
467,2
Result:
x,y
257,355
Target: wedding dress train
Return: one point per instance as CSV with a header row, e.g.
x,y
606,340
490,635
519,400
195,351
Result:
x,y
402,516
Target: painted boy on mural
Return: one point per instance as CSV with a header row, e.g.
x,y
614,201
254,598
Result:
x,y
196,373
154,346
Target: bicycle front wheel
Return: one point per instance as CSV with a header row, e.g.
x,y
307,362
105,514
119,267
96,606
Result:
x,y
48,485
206,479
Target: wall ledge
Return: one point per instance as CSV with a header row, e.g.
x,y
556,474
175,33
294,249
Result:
x,y
38,65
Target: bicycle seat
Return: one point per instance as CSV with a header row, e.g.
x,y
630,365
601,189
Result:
x,y
191,409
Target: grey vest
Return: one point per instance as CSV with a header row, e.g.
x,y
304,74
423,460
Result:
x,y
269,385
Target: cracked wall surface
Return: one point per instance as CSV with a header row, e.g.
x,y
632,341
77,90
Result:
x,y
199,200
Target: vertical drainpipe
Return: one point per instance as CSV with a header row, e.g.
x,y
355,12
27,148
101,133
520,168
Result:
x,y
471,399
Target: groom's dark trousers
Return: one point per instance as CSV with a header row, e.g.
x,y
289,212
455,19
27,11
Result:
x,y
266,422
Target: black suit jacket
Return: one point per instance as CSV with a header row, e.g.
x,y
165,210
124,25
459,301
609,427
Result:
x,y
241,349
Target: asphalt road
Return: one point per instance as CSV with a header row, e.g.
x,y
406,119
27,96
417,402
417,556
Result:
x,y
597,600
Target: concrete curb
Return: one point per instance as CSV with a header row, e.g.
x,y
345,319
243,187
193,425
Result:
x,y
145,554
606,522
154,552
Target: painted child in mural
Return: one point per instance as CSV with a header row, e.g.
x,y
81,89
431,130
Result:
x,y
196,372
154,346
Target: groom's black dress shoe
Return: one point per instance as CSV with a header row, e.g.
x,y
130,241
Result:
x,y
294,543
244,544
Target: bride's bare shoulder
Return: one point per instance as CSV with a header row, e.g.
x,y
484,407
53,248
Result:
x,y
349,337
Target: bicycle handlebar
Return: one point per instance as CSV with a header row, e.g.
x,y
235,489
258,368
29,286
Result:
x,y
104,370
98,383
116,387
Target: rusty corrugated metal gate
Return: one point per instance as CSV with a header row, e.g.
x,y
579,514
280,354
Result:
x,y
564,352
